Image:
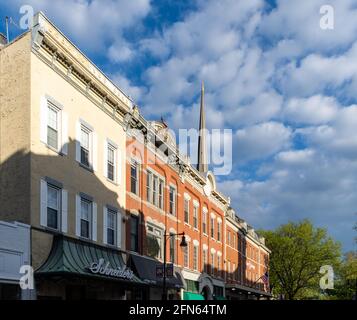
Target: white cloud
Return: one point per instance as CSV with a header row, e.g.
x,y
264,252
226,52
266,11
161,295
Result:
x,y
262,140
313,110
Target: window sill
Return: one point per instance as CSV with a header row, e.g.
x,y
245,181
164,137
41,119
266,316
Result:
x,y
186,224
59,152
90,169
53,231
113,182
205,234
86,239
195,229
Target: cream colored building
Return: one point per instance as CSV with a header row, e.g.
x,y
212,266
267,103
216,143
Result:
x,y
62,143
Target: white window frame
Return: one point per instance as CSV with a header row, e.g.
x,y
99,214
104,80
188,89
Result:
x,y
134,162
62,124
109,145
186,201
195,215
115,235
59,200
161,237
186,256
174,202
195,257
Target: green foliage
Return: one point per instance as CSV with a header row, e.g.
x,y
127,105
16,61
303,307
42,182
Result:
x,y
346,278
298,252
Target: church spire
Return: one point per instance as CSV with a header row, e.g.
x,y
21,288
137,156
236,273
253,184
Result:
x,y
202,165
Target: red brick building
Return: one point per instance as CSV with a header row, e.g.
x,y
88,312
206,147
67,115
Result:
x,y
166,196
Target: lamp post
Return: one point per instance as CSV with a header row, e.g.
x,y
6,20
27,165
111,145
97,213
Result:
x,y
182,244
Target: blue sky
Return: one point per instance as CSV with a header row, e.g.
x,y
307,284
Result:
x,y
286,88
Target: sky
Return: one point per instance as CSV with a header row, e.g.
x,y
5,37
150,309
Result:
x,y
286,87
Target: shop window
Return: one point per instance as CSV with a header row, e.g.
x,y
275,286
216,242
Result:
x,y
154,240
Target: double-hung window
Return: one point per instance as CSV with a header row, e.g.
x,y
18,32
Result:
x,y
134,177
111,162
186,256
204,222
85,146
155,189
187,210
154,241
111,227
172,208
195,257
172,248
212,227
205,260
86,218
195,216
53,207
53,125
219,230
134,233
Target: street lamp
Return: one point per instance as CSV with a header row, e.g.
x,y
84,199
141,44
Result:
x,y
182,244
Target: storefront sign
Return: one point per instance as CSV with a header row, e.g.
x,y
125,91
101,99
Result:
x,y
104,269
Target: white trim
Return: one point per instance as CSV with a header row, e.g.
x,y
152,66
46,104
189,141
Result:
x,y
196,203
213,250
219,220
205,210
213,215
64,207
187,196
105,224
43,203
94,221
205,247
196,243
219,253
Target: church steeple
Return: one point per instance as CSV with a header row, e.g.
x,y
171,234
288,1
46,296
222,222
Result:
x,y
202,165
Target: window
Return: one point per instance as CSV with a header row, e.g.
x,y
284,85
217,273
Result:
x,y
187,211
155,190
85,146
53,206
195,257
172,248
111,227
52,126
86,218
218,264
234,271
154,241
186,258
134,177
195,217
205,261
219,226
212,227
204,222
234,241
212,263
161,194
229,238
134,233
172,208
111,161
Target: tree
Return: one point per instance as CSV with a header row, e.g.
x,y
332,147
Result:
x,y
346,282
298,252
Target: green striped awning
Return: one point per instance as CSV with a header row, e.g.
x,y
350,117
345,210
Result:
x,y
76,257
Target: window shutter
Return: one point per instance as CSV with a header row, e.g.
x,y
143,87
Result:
x,y
105,223
119,218
43,203
43,120
118,167
105,165
78,215
78,142
94,151
94,222
64,133
64,210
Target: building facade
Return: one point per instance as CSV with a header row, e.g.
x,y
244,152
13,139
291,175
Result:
x,y
104,190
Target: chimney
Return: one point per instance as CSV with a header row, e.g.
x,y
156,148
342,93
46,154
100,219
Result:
x,y
3,40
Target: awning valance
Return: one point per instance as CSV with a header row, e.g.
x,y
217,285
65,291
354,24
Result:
x,y
80,258
192,296
146,270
